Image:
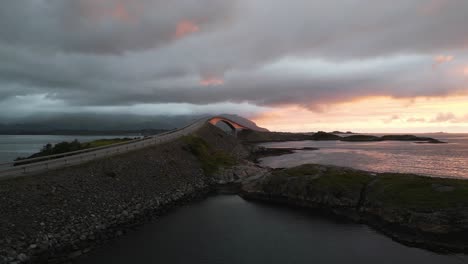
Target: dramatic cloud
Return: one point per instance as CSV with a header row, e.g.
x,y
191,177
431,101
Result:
x,y
213,55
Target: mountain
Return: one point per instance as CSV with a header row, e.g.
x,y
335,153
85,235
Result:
x,y
103,123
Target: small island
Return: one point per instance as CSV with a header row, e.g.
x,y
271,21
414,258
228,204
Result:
x,y
369,138
261,136
415,210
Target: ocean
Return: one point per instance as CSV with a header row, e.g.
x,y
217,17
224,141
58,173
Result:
x,y
13,146
445,160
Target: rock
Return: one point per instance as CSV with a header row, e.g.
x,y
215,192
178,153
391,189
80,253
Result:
x,y
75,254
442,188
22,257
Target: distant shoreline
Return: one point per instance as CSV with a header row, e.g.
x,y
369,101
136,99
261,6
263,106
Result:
x,y
83,132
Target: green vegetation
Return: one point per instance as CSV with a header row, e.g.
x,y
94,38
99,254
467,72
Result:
x,y
210,159
309,179
104,142
411,191
387,190
75,145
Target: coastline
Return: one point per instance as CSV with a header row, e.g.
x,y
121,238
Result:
x,y
437,223
59,215
71,211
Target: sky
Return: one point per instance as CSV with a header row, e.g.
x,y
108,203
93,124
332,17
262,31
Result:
x,y
297,65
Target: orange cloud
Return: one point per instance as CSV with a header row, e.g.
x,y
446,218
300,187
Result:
x,y
211,81
373,114
465,71
440,59
185,27
120,12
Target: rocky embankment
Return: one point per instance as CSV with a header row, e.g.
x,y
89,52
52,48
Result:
x,y
415,210
60,215
258,152
57,216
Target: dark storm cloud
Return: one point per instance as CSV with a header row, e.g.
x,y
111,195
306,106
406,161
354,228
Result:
x,y
124,52
103,26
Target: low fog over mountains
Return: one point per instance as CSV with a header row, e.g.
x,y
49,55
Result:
x,y
101,122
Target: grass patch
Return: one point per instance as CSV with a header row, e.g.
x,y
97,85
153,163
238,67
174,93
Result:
x,y
103,142
211,160
64,147
387,190
411,191
308,179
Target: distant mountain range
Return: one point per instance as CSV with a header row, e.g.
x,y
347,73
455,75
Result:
x,y
99,124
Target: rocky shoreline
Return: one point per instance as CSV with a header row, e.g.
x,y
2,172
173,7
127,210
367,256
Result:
x,y
258,152
438,221
61,215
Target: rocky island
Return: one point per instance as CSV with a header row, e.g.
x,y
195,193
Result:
x,y
412,138
415,210
259,137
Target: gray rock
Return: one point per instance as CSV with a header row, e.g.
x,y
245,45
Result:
x,y
22,257
442,188
75,254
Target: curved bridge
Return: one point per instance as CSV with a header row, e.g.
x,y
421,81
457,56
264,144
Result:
x,y
37,165
234,126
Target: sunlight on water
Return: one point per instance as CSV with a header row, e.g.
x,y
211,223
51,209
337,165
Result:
x,y
447,160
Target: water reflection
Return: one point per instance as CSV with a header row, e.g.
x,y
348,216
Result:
x,y
448,160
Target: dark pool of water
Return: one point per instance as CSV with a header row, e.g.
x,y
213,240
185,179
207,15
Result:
x,y
228,229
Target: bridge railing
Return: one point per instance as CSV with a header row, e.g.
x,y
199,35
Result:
x,y
36,165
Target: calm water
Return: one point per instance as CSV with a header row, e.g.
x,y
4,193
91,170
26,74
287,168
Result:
x,y
448,160
227,229
13,146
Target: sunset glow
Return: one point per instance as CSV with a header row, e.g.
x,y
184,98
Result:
x,y
211,81
120,12
442,59
387,66
112,111
374,114
185,27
